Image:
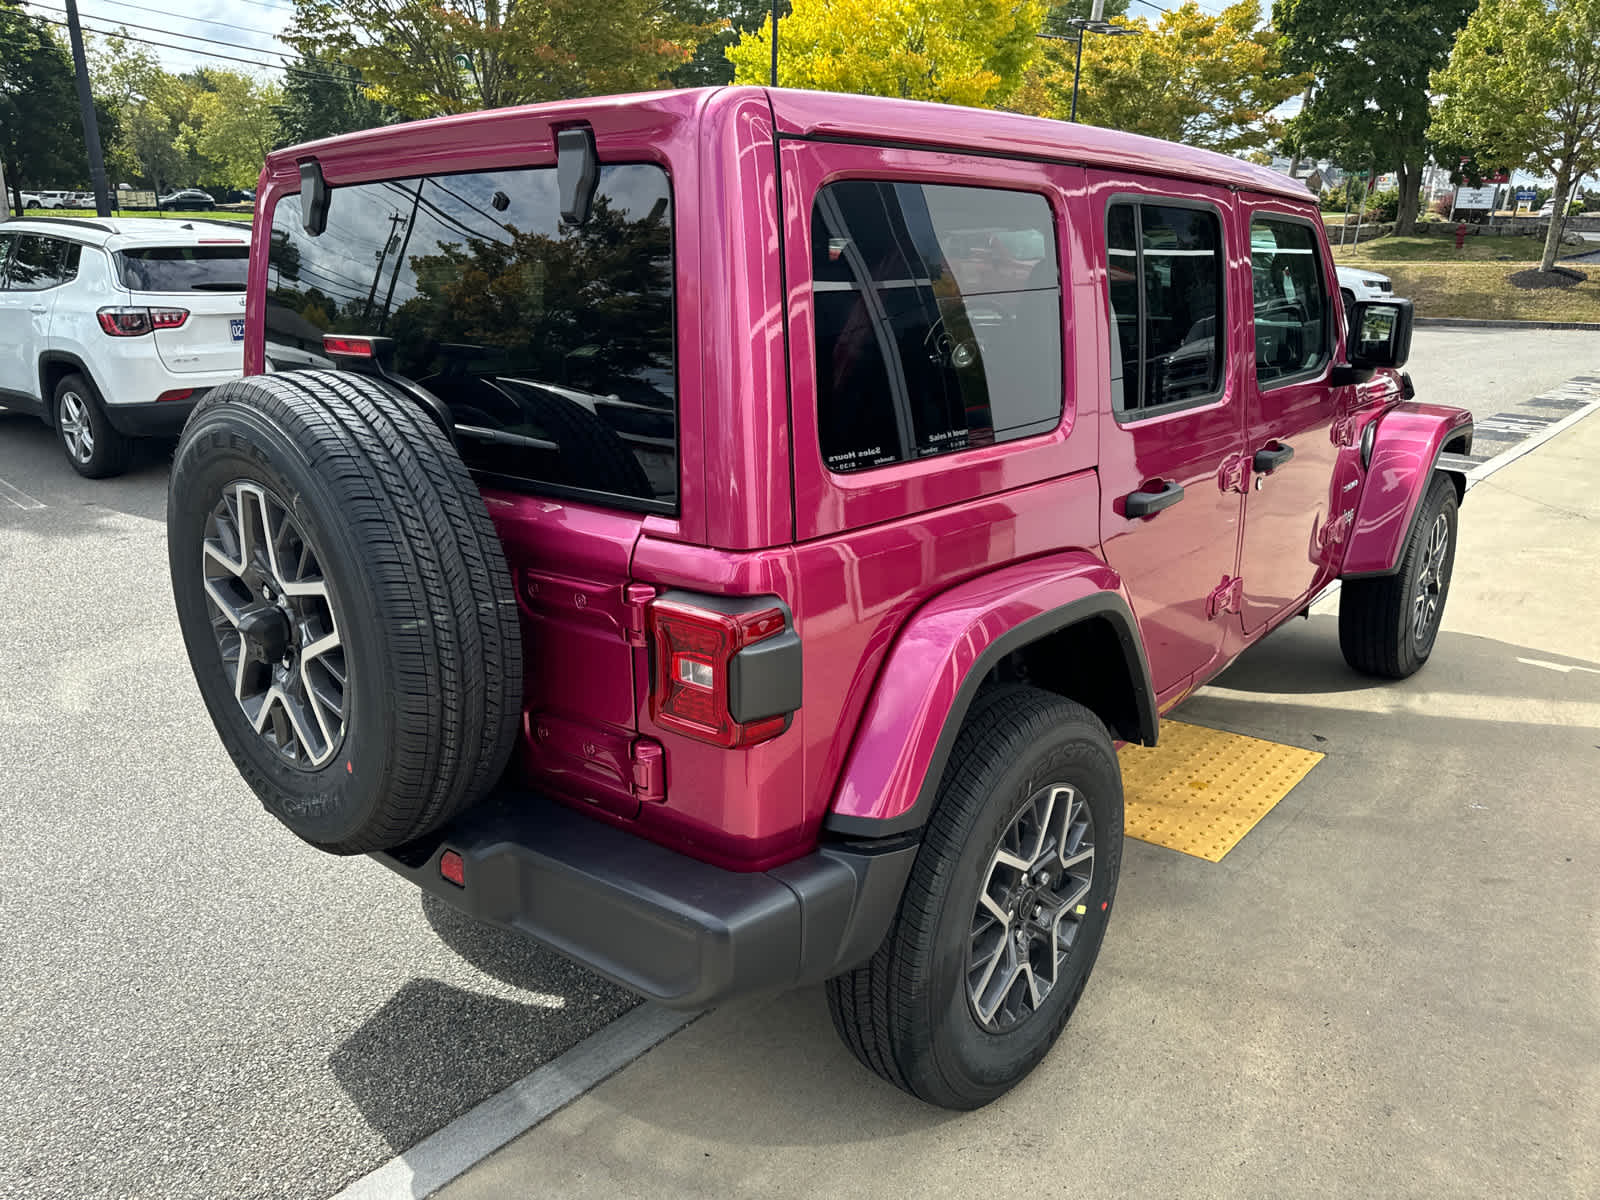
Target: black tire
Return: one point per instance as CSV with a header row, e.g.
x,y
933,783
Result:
x,y
378,503
92,445
907,1014
1381,630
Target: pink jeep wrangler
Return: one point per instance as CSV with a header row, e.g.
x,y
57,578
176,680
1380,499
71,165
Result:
x,y
724,535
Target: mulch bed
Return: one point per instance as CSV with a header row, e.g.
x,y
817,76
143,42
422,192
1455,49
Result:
x,y
1556,277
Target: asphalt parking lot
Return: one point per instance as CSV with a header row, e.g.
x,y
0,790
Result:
x,y
194,1004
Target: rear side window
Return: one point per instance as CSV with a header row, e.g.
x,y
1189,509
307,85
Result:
x,y
1291,300
1165,290
36,263
184,268
938,320
552,345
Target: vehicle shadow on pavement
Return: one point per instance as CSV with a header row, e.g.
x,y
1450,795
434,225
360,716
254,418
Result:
x,y
435,1049
32,460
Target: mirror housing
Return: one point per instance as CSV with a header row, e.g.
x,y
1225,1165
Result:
x,y
1380,333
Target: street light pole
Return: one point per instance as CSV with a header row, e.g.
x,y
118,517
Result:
x,y
775,43
1095,22
1077,70
91,127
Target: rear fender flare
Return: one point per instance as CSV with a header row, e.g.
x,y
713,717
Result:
x,y
939,661
1405,453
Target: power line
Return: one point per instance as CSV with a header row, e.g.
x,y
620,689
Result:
x,y
289,67
164,13
193,37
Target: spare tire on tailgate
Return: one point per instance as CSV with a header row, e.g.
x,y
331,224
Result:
x,y
346,606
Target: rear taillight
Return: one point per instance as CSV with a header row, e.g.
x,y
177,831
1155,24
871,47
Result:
x,y
339,346
134,322
175,394
700,686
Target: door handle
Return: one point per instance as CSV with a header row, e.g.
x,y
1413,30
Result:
x,y
1269,458
37,308
1146,504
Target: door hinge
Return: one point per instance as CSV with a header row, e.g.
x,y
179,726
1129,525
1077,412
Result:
x,y
1225,597
649,770
636,599
1230,478
1344,431
1334,531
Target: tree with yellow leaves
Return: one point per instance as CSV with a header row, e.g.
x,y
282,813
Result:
x,y
1201,79
969,52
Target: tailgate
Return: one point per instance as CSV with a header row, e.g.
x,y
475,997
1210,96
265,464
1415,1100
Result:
x,y
212,339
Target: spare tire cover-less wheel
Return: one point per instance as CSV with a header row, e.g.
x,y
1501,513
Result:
x,y
346,606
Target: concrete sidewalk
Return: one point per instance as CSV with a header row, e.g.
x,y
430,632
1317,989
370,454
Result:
x,y
1391,987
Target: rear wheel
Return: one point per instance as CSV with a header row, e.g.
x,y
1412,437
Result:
x,y
1387,625
1005,910
93,447
346,607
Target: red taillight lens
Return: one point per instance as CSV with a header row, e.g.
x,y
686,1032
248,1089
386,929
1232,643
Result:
x,y
135,322
346,347
453,868
694,648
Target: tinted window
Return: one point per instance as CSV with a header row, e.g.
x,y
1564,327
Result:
x,y
938,315
6,240
1292,336
1165,288
184,268
36,263
552,345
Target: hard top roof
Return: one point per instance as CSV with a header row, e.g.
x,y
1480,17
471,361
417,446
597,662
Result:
x,y
871,119
117,232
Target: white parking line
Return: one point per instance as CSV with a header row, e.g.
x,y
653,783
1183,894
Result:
x,y
18,497
479,1132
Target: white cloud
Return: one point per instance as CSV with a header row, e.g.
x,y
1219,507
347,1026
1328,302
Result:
x,y
250,30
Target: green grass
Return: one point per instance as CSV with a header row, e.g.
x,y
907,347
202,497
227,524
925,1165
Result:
x,y
142,212
1439,249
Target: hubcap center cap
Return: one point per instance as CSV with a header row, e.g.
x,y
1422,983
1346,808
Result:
x,y
265,629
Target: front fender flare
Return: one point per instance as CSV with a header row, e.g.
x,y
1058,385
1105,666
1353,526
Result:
x,y
938,663
1410,438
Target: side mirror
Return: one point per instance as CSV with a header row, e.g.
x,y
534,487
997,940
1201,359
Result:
x,y
1380,333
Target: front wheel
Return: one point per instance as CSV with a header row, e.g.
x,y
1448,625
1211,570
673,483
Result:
x,y
1387,625
1003,916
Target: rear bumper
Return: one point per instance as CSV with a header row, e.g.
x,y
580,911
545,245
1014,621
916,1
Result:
x,y
679,931
162,419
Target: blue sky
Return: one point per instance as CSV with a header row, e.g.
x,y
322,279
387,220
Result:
x,y
248,29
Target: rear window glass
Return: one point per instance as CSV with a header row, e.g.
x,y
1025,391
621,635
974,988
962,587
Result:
x,y
552,345
184,268
938,315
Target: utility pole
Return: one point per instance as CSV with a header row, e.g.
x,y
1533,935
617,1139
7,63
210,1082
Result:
x,y
91,127
775,43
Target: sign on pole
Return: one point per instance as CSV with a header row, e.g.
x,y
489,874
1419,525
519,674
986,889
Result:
x,y
1479,198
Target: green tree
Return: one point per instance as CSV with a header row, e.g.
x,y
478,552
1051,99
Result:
x,y
426,57
41,138
232,123
725,22
947,50
1523,85
1204,79
1369,64
323,98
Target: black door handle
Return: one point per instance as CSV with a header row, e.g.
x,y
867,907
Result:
x,y
1144,504
1270,458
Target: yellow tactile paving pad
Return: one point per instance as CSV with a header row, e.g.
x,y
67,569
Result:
x,y
1201,790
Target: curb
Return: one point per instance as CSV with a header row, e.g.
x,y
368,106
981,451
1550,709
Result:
x,y
1476,323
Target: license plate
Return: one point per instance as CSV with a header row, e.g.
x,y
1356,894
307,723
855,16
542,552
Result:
x,y
236,326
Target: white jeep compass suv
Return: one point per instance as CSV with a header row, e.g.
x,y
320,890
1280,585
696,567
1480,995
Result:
x,y
112,329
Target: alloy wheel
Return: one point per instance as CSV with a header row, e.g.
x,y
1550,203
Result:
x,y
1031,908
1430,580
275,624
76,430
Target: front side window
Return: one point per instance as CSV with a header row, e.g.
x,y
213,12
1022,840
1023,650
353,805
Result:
x,y
1291,300
1165,289
551,344
938,320
36,263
